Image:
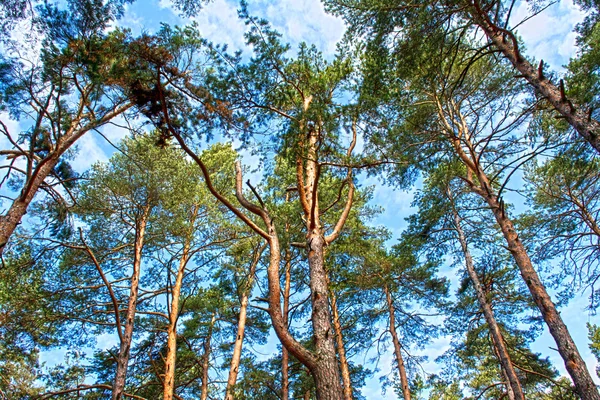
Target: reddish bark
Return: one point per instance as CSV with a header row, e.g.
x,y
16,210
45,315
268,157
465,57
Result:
x,y
285,379
170,358
339,340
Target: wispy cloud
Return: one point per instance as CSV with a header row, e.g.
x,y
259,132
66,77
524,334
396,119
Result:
x,y
549,36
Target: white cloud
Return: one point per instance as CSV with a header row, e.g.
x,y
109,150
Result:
x,y
303,20
88,153
549,36
219,23
131,20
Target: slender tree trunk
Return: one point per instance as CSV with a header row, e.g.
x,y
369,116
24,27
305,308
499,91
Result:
x,y
125,347
206,358
513,386
339,339
579,118
566,346
169,380
285,378
397,347
239,339
509,390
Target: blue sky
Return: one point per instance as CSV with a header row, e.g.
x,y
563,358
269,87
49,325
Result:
x,y
548,37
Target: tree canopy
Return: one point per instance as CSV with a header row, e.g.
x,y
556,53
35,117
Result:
x,y
230,243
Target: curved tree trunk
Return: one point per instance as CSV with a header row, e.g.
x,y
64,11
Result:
x,y
323,361
125,347
513,386
397,347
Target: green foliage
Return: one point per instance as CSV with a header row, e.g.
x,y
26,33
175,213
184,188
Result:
x,y
414,77
594,336
563,221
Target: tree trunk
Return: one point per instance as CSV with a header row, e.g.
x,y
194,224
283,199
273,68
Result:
x,y
566,346
10,221
125,347
509,390
514,386
339,339
325,373
239,339
285,378
206,358
169,379
397,347
579,118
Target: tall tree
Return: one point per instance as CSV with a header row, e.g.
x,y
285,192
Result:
x,y
120,202
245,291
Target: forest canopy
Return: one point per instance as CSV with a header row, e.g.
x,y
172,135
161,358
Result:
x,y
198,210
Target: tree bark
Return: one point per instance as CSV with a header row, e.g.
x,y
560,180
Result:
x,y
125,346
239,339
513,386
506,42
339,339
285,378
170,359
397,347
206,358
574,364
326,373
